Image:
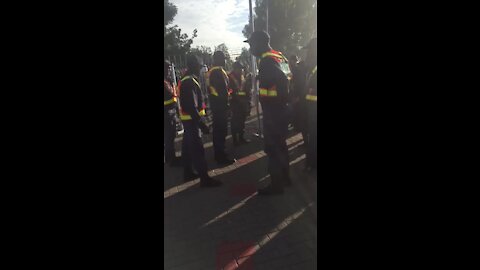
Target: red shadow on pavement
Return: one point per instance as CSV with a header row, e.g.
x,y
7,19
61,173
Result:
x,y
242,189
235,255
293,142
249,158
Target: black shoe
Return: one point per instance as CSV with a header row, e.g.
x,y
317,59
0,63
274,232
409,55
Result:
x,y
270,190
189,176
235,140
209,182
224,161
242,140
176,162
310,169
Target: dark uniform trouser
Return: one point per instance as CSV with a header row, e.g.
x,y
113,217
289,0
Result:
x,y
239,115
312,136
169,132
275,135
220,130
300,118
193,152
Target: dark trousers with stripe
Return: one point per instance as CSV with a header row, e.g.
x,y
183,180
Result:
x,y
312,135
275,123
220,130
239,115
193,153
169,132
300,118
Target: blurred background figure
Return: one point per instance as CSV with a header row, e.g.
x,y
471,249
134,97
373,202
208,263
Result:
x,y
192,112
297,96
248,88
240,104
169,116
273,95
311,99
219,103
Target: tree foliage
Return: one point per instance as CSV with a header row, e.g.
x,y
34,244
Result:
x,y
228,60
291,23
204,52
223,48
244,57
174,41
169,12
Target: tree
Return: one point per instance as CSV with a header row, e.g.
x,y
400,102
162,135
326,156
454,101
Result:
x,y
205,53
169,12
291,23
223,48
245,57
175,43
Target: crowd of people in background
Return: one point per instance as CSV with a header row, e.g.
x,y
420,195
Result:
x,y
287,93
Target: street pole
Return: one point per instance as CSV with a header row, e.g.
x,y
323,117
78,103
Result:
x,y
254,75
267,17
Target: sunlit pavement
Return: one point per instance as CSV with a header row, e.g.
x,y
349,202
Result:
x,y
230,227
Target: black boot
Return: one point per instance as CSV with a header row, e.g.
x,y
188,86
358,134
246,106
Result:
x,y
242,139
207,181
235,139
189,175
270,190
222,159
175,162
309,169
287,182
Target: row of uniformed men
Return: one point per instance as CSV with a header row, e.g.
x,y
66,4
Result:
x,y
274,98
229,94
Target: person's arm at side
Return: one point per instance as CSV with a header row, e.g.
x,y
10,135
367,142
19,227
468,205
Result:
x,y
266,73
187,102
223,87
188,105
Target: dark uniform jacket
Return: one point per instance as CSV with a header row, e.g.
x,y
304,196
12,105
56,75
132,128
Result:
x,y
192,106
273,82
218,89
169,99
299,82
312,85
238,88
247,87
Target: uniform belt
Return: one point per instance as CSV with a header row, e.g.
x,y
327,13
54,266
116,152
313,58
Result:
x,y
268,92
170,101
213,91
217,67
186,117
193,79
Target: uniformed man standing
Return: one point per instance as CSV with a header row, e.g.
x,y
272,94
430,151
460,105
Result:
x,y
203,82
298,99
249,89
311,100
240,103
273,94
192,110
219,103
169,117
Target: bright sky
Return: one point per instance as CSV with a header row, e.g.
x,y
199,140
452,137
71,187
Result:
x,y
217,21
